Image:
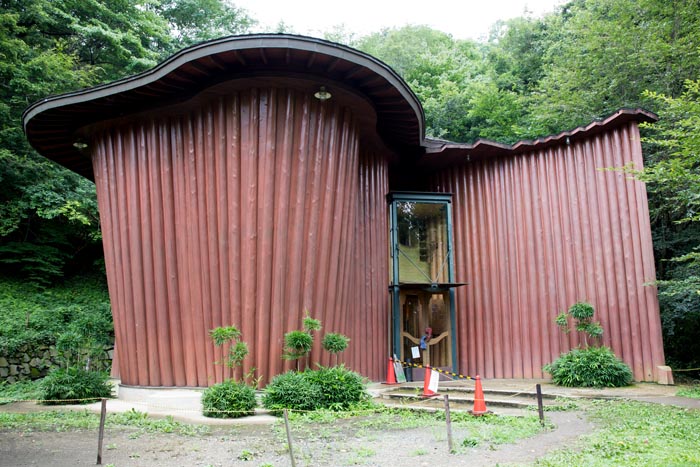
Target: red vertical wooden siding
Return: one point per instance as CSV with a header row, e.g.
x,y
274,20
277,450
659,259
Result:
x,y
536,232
246,211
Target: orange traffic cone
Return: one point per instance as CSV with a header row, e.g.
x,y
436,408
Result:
x,y
390,374
479,402
431,379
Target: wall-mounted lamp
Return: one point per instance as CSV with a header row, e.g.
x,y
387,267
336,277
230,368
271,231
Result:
x,y
322,94
80,145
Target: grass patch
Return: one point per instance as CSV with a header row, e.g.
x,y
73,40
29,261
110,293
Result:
x,y
693,392
19,391
634,434
561,404
63,420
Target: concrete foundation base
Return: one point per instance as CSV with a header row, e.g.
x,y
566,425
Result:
x,y
665,374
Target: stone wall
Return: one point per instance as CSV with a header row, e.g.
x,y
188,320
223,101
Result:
x,y
34,363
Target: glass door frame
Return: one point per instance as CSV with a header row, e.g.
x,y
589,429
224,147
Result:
x,y
395,286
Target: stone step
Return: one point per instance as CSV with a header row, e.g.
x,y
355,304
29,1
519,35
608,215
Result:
x,y
436,405
459,401
417,387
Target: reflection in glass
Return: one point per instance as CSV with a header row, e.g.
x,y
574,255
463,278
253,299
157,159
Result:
x,y
422,242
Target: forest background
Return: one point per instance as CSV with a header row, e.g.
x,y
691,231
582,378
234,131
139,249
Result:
x,y
531,77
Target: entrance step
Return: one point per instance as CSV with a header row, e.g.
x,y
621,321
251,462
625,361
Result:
x,y
462,398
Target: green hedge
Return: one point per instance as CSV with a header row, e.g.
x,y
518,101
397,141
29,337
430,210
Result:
x,y
229,399
73,385
591,367
335,388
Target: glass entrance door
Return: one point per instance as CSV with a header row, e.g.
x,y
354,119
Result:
x,y
425,313
421,279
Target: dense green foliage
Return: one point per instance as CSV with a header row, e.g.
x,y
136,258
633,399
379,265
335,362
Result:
x,y
74,385
49,226
340,388
75,315
291,390
230,399
334,388
591,367
673,180
18,391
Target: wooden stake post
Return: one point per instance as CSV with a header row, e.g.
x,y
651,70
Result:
x,y
100,437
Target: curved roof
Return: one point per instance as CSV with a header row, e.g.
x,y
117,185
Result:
x,y
50,124
441,153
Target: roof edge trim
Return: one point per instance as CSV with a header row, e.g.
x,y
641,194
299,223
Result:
x,y
226,44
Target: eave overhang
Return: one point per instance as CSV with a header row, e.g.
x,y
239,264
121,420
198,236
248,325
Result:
x,y
51,125
440,153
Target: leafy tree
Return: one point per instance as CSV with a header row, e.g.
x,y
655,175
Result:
x,y
49,224
673,180
193,21
602,55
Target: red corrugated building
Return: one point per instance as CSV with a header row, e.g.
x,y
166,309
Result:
x,y
249,179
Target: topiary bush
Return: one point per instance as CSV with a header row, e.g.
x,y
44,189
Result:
x,y
230,399
292,390
340,388
65,385
591,367
334,388
335,343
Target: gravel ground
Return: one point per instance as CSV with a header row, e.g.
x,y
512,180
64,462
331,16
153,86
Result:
x,y
265,445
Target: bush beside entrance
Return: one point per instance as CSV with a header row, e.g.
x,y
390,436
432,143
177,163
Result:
x,y
335,388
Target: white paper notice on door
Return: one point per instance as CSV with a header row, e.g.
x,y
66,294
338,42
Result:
x,y
415,352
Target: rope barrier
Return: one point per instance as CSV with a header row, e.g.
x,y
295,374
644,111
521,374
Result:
x,y
40,401
444,372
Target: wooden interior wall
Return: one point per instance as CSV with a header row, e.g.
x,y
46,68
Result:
x,y
537,232
247,211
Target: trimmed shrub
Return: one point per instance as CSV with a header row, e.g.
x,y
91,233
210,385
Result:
x,y
291,390
229,399
591,367
340,388
335,343
335,388
65,385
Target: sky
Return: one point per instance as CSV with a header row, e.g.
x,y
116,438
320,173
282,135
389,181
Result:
x,y
463,19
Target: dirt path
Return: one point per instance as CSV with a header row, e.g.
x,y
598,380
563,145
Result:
x,y
266,445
